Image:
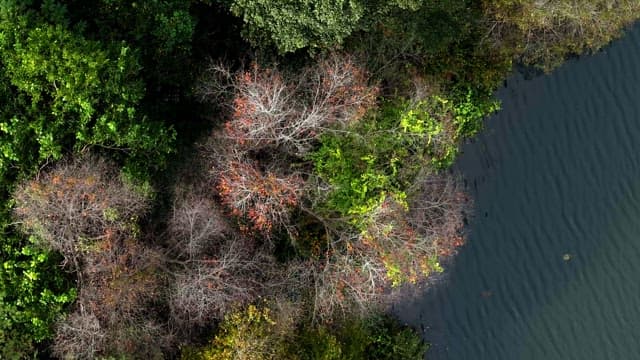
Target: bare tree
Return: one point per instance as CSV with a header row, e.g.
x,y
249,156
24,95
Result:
x,y
85,210
113,310
205,289
264,198
120,279
197,224
437,208
76,203
79,336
273,110
143,338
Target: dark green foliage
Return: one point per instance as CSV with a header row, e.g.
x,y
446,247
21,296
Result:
x,y
442,41
160,30
392,341
254,334
543,34
317,344
68,92
169,49
377,338
291,25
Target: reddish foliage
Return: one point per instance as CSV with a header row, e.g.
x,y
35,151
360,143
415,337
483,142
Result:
x,y
76,203
271,111
85,210
119,278
264,199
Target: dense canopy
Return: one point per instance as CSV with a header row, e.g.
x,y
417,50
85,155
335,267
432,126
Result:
x,y
246,179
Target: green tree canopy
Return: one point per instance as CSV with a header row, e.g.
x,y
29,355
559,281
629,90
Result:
x,y
295,24
62,91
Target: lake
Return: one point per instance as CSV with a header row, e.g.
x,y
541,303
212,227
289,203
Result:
x,y
551,269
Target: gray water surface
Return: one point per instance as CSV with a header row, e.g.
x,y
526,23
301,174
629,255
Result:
x,y
552,265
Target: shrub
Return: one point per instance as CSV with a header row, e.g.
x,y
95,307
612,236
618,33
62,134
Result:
x,y
391,341
250,334
544,34
257,333
374,338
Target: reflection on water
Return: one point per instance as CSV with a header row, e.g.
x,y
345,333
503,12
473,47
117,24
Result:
x,y
552,266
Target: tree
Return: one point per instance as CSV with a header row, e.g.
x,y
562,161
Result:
x,y
76,204
207,288
263,333
375,182
296,24
197,224
255,333
113,315
67,92
265,199
84,209
544,33
289,112
80,335
275,120
215,269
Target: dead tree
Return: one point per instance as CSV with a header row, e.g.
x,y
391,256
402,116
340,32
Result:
x,y
289,112
77,203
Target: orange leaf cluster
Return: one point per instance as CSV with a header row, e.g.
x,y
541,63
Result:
x,y
264,199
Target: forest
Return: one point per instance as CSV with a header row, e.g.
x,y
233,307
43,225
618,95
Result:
x,y
247,179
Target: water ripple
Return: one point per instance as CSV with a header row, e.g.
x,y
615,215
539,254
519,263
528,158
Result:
x,y
552,265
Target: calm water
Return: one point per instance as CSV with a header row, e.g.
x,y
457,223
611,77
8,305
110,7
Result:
x,y
556,172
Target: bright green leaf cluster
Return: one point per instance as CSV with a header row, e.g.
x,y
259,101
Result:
x,y
33,293
362,170
248,334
